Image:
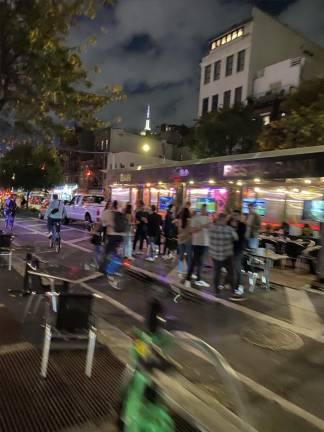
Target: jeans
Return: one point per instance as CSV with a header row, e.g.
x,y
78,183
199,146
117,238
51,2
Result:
x,y
228,265
153,246
185,252
197,260
237,262
128,245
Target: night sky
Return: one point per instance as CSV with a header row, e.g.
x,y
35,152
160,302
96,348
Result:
x,y
153,49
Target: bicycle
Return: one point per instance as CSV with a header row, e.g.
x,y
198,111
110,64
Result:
x,y
55,240
141,407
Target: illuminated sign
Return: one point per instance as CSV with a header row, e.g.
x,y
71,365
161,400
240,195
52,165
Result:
x,y
182,172
125,177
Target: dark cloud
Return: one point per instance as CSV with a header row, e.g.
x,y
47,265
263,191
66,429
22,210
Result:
x,y
153,48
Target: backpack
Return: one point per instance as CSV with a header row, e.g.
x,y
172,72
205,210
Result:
x,y
120,222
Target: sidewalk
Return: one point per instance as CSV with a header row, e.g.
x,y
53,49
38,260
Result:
x,y
290,303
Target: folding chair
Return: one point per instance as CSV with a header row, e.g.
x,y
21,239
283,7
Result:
x,y
72,321
5,248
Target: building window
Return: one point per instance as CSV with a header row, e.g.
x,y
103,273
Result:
x,y
229,65
215,103
240,61
238,95
227,38
207,74
217,70
205,106
132,164
227,99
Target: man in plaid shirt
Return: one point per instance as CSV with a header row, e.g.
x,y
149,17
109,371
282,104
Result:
x,y
221,250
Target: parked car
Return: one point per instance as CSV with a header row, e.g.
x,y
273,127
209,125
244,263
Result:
x,y
85,208
42,209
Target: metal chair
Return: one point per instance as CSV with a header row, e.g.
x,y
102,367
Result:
x,y
72,321
5,248
34,286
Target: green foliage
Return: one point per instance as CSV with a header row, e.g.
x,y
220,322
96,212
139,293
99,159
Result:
x,y
30,167
303,124
42,80
222,132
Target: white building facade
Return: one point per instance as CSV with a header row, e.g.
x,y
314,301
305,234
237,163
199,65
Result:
x,y
257,56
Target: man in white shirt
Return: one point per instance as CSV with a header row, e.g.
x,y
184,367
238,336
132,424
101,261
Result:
x,y
200,243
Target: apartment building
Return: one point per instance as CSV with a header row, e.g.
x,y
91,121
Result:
x,y
258,55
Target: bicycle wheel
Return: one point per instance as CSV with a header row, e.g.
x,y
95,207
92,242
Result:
x,y
58,244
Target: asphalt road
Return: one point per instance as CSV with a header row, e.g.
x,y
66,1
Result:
x,y
280,389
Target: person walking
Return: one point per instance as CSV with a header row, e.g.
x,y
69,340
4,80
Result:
x,y
253,226
141,219
184,240
170,233
128,234
116,230
239,245
104,220
200,242
10,208
221,250
153,231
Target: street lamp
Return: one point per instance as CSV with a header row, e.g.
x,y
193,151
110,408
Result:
x,y
146,148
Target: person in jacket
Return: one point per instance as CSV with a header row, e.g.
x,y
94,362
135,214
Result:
x,y
184,240
141,220
170,233
221,250
239,245
200,243
55,212
154,225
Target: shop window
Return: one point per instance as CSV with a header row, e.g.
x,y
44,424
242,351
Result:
x,y
240,61
207,74
229,65
217,70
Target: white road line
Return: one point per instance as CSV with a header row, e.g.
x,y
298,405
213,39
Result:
x,y
253,385
284,403
316,335
114,302
302,310
79,240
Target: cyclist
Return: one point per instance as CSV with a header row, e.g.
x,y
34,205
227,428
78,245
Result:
x,y
10,208
54,214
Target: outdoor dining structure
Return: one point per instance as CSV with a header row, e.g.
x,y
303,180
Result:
x,y
284,186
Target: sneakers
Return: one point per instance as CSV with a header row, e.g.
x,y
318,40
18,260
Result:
x,y
202,283
150,259
194,277
187,284
239,290
113,283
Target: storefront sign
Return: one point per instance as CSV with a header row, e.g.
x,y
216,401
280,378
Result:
x,y
125,177
182,172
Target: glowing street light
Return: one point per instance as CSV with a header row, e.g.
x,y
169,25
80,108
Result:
x,y
146,148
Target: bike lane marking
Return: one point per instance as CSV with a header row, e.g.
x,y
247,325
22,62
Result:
x,y
316,335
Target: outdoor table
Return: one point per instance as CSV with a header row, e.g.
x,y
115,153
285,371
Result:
x,y
66,274
269,257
